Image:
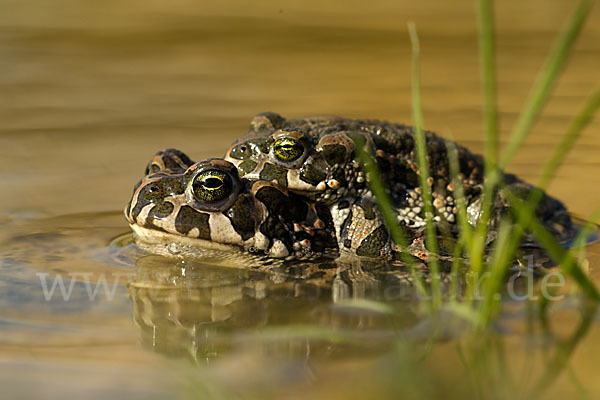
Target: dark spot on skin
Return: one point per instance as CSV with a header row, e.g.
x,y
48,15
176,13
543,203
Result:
x,y
188,218
263,146
402,172
240,214
312,175
174,186
274,228
372,245
334,154
274,199
159,211
343,204
272,172
156,191
145,197
283,211
325,215
340,176
368,207
324,239
347,243
290,208
247,166
381,143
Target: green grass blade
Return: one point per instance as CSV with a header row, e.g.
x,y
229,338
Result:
x,y
567,261
560,153
388,213
488,74
578,249
545,81
562,149
528,209
466,230
538,97
424,179
454,273
381,195
502,256
570,137
559,361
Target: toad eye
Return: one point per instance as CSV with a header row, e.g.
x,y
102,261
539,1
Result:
x,y
288,149
212,186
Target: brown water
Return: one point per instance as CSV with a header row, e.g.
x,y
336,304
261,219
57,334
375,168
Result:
x,y
89,91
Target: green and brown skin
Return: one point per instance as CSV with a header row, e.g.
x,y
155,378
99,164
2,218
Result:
x,y
264,218
206,204
315,157
302,192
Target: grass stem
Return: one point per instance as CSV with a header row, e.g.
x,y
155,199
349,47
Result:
x,y
424,178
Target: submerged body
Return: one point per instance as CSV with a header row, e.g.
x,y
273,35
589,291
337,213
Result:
x,y
300,192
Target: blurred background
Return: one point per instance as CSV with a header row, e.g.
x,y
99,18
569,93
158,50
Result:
x,y
91,90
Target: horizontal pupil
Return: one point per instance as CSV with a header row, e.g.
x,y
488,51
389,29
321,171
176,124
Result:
x,y
289,146
212,183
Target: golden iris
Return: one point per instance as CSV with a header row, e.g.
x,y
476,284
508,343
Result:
x,y
288,149
210,186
